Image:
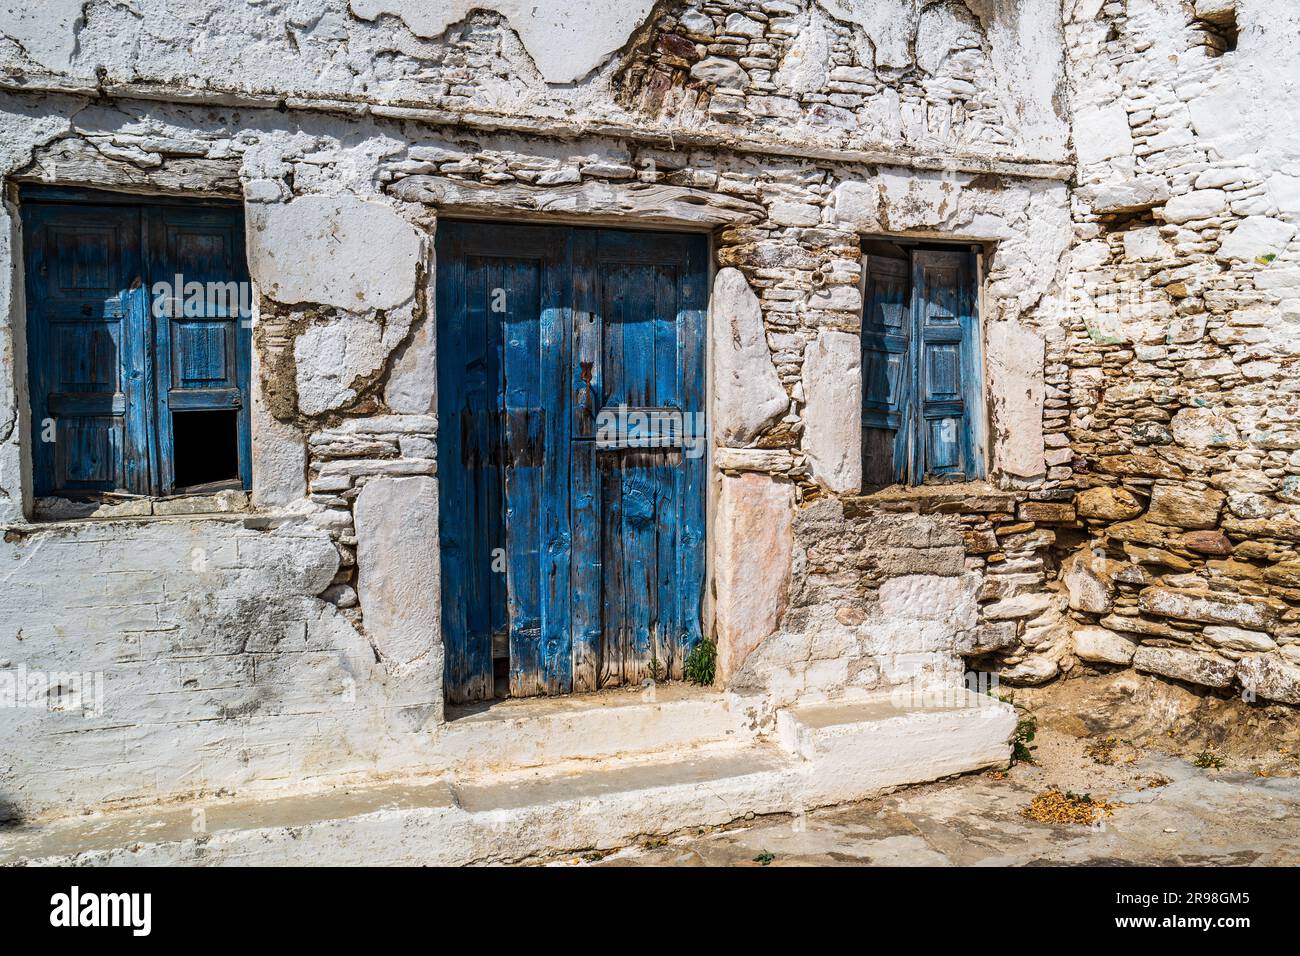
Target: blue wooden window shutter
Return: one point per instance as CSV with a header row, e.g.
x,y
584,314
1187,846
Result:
x,y
922,397
106,374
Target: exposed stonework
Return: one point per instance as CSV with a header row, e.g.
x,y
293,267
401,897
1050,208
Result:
x,y
1183,285
1139,308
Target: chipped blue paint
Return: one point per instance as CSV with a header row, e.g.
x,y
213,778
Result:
x,y
921,395
604,548
103,371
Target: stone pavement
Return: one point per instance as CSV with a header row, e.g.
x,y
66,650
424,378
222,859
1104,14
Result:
x,y
1199,818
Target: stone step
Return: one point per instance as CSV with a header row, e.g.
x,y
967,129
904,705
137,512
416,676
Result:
x,y
862,748
831,754
537,732
499,818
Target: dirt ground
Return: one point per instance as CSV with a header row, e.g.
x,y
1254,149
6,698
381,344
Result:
x,y
1167,776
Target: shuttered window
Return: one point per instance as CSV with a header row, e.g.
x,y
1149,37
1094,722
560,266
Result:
x,y
134,390
921,383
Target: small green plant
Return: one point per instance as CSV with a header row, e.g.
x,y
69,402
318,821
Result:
x,y
1021,752
764,858
701,662
1208,760
1266,259
656,669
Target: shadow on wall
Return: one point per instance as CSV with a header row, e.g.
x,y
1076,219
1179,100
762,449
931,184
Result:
x,y
10,815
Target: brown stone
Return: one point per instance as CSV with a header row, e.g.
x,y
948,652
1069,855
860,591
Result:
x,y
980,541
1142,531
1270,676
1107,504
1047,512
1140,625
1090,582
1019,528
1181,507
1207,542
1286,574
850,616
1156,556
1138,466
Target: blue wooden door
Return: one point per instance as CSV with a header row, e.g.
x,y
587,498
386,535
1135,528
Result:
x,y
583,558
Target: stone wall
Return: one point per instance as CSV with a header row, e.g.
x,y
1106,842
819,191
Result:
x,y
1183,343
787,130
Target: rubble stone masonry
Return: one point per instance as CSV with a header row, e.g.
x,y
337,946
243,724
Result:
x,y
1133,186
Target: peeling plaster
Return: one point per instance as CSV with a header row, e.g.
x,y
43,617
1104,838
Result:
x,y
567,39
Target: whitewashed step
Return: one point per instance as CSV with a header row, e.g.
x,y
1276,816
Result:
x,y
832,754
537,732
860,749
445,822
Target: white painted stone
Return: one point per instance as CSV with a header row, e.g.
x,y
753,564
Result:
x,y
47,30
279,451
1014,361
339,251
922,614
1102,645
397,574
751,566
1101,133
1145,245
1256,236
857,205
1089,580
720,71
567,39
413,377
917,733
1199,204
805,68
748,395
832,438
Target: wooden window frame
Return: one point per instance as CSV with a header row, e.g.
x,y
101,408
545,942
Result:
x,y
900,408
147,394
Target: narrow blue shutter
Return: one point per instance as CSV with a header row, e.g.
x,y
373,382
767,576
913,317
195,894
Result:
x,y
947,375
87,331
886,372
203,344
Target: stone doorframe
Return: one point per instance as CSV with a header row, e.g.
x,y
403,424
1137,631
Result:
x,y
679,209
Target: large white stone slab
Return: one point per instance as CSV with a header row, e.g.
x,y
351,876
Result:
x,y
748,395
832,384
1014,359
339,251
1257,237
397,571
752,560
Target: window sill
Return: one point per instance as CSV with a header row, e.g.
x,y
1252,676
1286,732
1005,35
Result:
x,y
230,502
948,498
